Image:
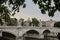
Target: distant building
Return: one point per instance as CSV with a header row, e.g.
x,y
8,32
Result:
x,y
25,23
49,23
4,23
20,21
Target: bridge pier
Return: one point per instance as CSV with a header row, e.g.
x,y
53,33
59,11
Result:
x,y
0,32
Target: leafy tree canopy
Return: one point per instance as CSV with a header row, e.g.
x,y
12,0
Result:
x,y
13,5
57,24
35,22
46,6
11,22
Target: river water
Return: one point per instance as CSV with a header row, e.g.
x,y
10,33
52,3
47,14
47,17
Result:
x,y
48,38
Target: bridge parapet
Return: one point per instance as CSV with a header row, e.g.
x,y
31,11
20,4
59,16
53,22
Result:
x,y
23,27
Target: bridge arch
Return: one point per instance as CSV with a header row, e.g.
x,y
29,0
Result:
x,y
32,32
31,35
7,31
46,31
4,33
8,35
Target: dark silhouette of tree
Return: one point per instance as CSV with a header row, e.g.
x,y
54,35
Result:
x,y
57,24
13,5
35,22
46,6
11,22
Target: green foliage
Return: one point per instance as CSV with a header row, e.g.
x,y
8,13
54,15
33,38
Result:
x,y
43,12
35,22
16,4
5,12
57,24
11,22
57,4
46,6
24,5
35,1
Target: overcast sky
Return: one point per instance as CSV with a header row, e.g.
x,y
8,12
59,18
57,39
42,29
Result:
x,y
32,10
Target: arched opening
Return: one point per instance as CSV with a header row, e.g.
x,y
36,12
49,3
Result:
x,y
31,35
46,36
8,36
46,31
32,32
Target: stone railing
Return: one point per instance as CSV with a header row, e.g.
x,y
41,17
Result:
x,y
26,27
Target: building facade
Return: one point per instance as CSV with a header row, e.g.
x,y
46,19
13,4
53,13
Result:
x,y
49,23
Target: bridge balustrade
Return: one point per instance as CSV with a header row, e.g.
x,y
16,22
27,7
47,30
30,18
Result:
x,y
24,27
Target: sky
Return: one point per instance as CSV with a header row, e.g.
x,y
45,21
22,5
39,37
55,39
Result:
x,y
32,10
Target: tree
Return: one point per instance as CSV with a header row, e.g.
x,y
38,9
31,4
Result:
x,y
11,22
35,22
57,24
46,6
13,4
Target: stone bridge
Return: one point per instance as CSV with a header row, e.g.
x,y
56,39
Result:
x,y
18,32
